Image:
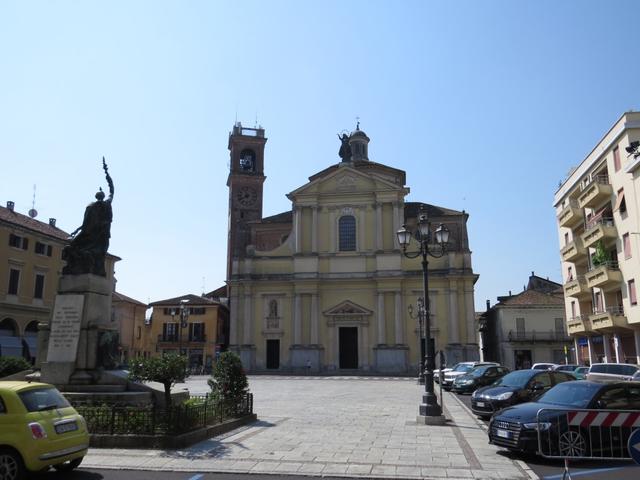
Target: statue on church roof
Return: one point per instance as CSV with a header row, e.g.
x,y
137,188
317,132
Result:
x,y
345,148
87,250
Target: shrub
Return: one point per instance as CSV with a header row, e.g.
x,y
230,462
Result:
x,y
228,381
167,369
11,365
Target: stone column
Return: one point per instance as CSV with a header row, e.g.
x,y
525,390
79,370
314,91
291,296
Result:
x,y
297,225
362,233
332,230
396,224
379,227
247,337
233,320
576,349
606,343
297,319
636,338
399,331
314,319
470,315
454,325
314,229
363,354
617,344
590,350
381,327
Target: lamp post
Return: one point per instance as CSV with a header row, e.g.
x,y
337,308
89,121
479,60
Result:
x,y
184,318
430,411
419,317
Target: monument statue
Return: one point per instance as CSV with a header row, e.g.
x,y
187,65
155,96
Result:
x,y
345,148
87,249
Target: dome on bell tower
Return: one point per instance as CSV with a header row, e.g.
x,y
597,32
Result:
x,y
359,143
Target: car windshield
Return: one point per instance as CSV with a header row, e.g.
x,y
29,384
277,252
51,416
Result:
x,y
39,399
463,367
582,369
518,379
571,394
478,371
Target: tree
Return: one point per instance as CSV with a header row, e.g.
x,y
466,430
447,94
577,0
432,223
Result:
x,y
228,381
11,365
167,369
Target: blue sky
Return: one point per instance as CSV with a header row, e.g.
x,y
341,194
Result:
x,y
485,104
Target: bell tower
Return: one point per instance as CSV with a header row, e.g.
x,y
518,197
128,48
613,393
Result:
x,y
246,176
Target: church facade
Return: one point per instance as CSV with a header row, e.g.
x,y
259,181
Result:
x,y
325,287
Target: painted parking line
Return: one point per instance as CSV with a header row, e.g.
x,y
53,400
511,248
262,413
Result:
x,y
593,471
197,477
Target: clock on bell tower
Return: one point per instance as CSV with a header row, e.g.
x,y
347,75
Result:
x,y
246,176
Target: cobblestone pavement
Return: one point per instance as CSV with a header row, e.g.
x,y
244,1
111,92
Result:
x,y
363,427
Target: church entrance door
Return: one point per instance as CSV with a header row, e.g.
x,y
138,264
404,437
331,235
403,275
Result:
x,y
273,354
348,344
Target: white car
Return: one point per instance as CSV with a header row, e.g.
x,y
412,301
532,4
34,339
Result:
x,y
612,372
544,366
461,369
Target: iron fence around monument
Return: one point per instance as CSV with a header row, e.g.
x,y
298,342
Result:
x,y
199,412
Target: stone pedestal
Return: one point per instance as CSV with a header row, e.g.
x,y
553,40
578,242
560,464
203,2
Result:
x,y
76,339
391,358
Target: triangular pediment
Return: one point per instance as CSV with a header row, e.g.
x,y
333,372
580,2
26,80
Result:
x,y
346,180
347,308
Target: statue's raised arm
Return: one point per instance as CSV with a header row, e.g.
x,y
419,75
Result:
x,y
109,180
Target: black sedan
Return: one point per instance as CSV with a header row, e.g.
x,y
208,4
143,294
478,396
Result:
x,y
478,377
516,428
515,387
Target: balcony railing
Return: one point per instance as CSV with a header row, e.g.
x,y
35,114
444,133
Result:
x,y
597,221
601,179
609,264
537,336
616,310
176,338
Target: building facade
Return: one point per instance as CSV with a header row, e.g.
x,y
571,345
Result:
x,y
30,265
325,286
598,215
191,325
528,327
129,314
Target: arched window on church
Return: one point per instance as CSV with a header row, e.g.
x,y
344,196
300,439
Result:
x,y
347,230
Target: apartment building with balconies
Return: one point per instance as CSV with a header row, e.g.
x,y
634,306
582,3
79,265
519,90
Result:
x,y
598,214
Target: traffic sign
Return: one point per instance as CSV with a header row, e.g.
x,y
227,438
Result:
x,y
634,446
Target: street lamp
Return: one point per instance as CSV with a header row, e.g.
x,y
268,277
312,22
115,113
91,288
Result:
x,y
419,317
430,411
184,318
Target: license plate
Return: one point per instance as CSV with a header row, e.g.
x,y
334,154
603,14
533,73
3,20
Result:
x,y
480,404
66,427
503,433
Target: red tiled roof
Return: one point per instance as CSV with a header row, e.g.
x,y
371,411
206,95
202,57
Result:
x,y
123,298
20,220
193,300
533,297
218,292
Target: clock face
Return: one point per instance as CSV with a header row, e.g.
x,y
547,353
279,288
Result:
x,y
247,196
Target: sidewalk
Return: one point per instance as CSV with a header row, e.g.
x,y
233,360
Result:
x,y
361,428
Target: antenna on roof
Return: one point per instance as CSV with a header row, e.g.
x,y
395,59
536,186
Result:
x,y
256,124
203,292
33,213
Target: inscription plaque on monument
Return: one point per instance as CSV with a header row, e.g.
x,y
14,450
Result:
x,y
65,328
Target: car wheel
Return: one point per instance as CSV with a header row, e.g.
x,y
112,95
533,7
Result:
x,y
11,466
572,444
68,466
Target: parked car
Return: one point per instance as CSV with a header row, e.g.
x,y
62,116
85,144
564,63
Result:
x,y
38,429
581,373
569,367
544,366
611,372
460,369
516,387
516,427
478,377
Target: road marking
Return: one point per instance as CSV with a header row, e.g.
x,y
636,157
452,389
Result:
x,y
197,477
588,472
